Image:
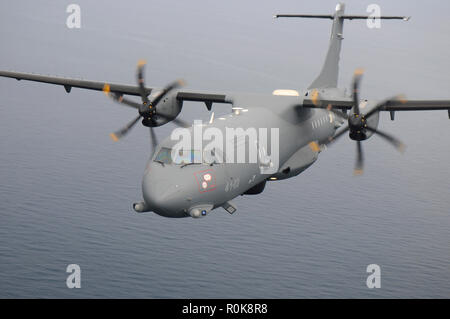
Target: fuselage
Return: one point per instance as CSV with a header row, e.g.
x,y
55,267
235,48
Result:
x,y
176,190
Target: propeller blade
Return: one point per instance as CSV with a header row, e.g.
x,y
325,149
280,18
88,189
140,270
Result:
x,y
336,112
359,166
338,135
181,123
119,97
166,90
154,140
128,102
392,140
122,132
356,81
141,82
315,97
400,98
177,121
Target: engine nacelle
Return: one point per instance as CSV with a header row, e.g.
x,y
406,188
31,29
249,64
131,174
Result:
x,y
365,107
169,108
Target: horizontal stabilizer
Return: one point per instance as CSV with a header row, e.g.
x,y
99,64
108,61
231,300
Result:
x,y
318,16
345,17
364,17
328,76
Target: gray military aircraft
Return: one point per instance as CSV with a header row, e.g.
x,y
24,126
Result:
x,y
308,120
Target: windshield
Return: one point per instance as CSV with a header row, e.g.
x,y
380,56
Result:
x,y
164,156
183,157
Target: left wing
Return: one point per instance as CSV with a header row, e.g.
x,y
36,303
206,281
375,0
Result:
x,y
416,105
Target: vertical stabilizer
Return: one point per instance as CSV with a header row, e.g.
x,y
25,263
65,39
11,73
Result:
x,y
328,76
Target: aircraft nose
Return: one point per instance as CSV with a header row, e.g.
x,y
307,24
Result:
x,y
161,196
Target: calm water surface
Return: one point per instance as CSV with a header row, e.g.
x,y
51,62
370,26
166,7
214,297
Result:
x,y
66,190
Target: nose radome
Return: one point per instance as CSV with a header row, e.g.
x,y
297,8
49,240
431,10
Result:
x,y
153,192
161,197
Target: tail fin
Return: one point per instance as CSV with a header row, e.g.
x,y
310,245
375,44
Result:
x,y
328,76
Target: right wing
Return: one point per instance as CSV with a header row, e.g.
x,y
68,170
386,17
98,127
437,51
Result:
x,y
390,106
119,89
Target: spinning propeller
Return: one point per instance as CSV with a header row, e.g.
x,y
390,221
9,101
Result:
x,y
147,109
357,123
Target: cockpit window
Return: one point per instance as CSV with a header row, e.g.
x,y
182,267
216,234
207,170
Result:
x,y
164,156
183,157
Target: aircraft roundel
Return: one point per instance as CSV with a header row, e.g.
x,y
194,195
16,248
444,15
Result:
x,y
206,180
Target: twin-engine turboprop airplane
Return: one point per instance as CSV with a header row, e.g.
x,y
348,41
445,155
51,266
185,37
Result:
x,y
304,122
